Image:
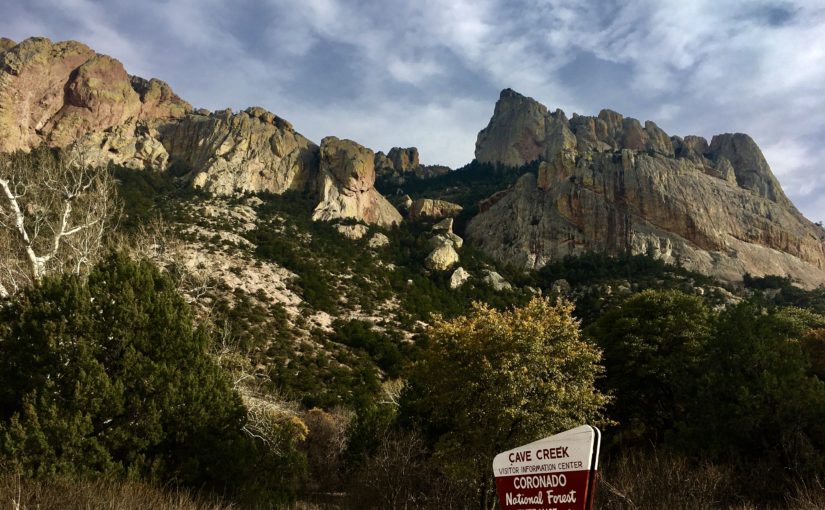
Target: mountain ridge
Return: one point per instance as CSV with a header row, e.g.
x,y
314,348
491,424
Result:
x,y
607,183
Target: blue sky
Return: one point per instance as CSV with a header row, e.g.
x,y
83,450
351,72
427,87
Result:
x,y
427,73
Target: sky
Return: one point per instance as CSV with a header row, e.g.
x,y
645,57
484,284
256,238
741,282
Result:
x,y
427,73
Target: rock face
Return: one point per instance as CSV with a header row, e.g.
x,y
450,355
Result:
x,y
62,93
431,208
6,44
402,163
715,208
346,185
404,160
56,93
253,150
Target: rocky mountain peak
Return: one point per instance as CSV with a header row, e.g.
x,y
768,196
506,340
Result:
x,y
749,165
58,93
612,184
404,159
64,93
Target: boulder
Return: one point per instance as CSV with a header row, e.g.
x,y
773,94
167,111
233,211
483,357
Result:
x,y
442,258
444,226
378,240
353,232
444,238
431,208
459,278
496,281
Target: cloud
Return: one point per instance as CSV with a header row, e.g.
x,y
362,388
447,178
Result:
x,y
427,73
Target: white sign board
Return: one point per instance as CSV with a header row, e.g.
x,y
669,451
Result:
x,y
557,472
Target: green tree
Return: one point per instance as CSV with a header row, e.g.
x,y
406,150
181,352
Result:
x,y
758,396
492,380
109,376
653,345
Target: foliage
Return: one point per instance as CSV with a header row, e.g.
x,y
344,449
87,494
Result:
x,y
653,351
780,291
492,380
465,186
757,397
381,347
590,272
110,377
147,195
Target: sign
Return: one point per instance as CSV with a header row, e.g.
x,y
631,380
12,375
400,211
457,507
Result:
x,y
554,473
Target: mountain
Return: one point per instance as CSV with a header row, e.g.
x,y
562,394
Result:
x,y
608,184
64,93
604,184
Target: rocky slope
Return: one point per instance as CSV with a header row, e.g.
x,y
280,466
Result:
x,y
64,93
609,184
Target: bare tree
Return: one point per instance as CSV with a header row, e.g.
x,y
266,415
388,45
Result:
x,y
55,210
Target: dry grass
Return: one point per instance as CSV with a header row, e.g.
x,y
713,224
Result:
x,y
20,494
656,480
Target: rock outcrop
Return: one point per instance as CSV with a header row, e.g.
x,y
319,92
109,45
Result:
x,y
621,188
432,208
404,160
459,278
401,163
444,244
63,93
253,150
346,182
57,93
6,44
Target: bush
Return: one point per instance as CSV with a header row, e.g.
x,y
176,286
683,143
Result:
x,y
654,345
493,380
109,377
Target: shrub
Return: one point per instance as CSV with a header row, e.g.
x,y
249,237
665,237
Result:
x,y
492,380
110,377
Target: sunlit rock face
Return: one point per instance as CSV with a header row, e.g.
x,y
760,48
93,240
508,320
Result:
x,y
610,184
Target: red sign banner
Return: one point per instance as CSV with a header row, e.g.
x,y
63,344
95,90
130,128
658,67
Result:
x,y
554,473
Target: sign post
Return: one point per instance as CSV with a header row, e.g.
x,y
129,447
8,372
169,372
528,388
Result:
x,y
554,473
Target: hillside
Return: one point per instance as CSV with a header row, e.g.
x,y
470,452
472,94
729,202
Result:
x,y
337,317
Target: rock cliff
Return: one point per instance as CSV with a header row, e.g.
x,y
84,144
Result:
x,y
57,93
64,93
253,150
346,182
609,184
